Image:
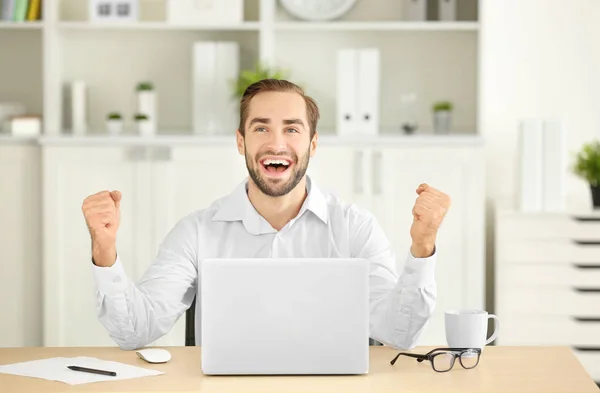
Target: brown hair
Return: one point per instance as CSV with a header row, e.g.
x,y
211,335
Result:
x,y
265,85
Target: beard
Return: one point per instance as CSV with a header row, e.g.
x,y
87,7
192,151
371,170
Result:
x,y
277,187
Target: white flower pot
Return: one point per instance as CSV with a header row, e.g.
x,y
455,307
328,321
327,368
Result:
x,y
145,128
114,127
442,122
147,105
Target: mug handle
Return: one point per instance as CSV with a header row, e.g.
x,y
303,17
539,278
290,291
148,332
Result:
x,y
496,328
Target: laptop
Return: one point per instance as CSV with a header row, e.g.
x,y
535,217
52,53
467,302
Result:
x,y
284,316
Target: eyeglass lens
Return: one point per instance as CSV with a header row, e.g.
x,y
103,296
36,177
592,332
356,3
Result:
x,y
443,361
469,359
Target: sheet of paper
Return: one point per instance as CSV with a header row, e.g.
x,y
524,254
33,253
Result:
x,y
55,369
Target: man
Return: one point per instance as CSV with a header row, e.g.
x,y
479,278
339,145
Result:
x,y
277,212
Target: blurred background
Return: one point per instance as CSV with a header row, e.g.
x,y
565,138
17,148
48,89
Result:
x,y
494,102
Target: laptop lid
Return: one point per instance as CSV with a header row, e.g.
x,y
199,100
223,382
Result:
x,y
284,316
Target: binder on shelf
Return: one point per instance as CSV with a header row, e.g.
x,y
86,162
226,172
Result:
x,y
34,10
554,166
368,91
447,10
20,12
347,92
415,10
8,9
215,65
228,68
530,166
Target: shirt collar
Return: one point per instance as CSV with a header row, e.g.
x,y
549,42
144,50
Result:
x,y
237,207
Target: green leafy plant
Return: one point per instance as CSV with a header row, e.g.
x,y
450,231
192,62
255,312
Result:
x,y
140,116
260,72
442,106
145,86
587,163
114,116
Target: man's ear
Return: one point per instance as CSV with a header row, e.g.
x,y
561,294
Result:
x,y
313,144
240,143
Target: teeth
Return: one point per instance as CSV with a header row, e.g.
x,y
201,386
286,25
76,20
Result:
x,y
281,162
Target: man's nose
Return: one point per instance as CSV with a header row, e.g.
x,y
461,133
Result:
x,y
277,141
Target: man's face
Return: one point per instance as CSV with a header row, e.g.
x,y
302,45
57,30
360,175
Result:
x,y
277,143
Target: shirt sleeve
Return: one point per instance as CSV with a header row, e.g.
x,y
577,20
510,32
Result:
x,y
400,305
136,314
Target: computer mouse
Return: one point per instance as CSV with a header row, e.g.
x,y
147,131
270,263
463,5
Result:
x,y
154,355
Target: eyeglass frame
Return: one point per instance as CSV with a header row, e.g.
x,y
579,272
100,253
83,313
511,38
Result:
x,y
455,352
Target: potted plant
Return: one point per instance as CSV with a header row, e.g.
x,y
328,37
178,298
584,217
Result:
x,y
114,123
146,99
144,126
587,166
442,116
260,72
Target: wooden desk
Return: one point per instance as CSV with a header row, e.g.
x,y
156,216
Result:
x,y
501,369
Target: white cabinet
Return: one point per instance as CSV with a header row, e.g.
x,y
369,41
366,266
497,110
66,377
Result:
x,y
548,281
384,181
20,236
70,175
341,171
457,172
162,184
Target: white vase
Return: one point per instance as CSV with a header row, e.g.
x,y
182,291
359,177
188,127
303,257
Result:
x,y
147,106
145,128
442,121
114,127
78,107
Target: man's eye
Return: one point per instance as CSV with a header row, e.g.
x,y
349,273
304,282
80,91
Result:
x,y
292,130
260,129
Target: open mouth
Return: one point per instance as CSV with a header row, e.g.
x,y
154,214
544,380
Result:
x,y
275,166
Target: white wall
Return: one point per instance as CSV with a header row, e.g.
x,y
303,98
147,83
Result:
x,y
539,58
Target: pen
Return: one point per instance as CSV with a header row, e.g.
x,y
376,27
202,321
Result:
x,y
92,371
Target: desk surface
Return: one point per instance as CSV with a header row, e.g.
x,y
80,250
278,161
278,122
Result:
x,y
501,369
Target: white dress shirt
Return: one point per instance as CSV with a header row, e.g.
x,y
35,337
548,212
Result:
x,y
136,314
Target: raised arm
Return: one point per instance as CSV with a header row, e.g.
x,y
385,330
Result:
x,y
136,314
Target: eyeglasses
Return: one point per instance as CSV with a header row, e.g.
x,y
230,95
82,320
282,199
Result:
x,y
442,359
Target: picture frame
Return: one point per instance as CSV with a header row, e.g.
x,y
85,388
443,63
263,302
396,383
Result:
x,y
113,10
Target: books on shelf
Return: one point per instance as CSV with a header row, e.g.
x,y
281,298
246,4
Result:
x,y
20,10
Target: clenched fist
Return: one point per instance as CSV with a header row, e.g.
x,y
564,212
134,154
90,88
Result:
x,y
430,208
102,216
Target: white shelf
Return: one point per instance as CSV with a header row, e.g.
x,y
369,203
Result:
x,y
35,25
377,26
8,139
162,26
209,140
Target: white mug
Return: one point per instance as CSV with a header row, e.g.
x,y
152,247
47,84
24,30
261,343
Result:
x,y
468,328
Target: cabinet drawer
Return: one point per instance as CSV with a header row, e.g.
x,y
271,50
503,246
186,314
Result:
x,y
556,275
546,227
591,362
547,330
540,251
548,301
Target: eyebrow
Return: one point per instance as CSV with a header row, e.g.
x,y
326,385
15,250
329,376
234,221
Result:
x,y
293,121
266,120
